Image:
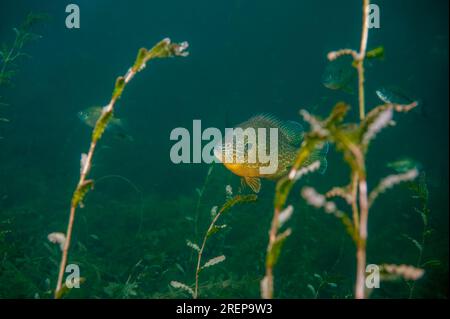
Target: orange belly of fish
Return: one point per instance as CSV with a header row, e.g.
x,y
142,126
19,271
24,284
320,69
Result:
x,y
242,170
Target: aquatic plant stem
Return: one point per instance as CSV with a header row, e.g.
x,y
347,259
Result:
x,y
361,57
272,238
199,200
358,57
423,195
354,198
360,215
161,50
361,243
23,35
412,287
211,230
8,58
200,252
283,188
73,208
363,201
85,170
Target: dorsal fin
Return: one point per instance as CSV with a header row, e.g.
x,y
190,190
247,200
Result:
x,y
293,131
267,119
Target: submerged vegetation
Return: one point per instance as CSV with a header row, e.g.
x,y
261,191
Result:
x,y
10,53
420,192
353,141
212,229
163,49
130,242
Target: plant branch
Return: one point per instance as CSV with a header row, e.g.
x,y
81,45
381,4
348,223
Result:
x,y
212,229
202,248
161,50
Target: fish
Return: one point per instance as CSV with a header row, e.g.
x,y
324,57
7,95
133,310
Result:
x,y
402,165
396,96
90,116
393,96
340,74
290,137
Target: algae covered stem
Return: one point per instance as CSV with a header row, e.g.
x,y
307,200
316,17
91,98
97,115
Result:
x,y
163,49
83,175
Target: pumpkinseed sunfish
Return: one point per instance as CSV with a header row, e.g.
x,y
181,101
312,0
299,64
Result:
x,y
90,116
290,136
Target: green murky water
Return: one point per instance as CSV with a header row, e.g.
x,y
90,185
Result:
x,y
246,57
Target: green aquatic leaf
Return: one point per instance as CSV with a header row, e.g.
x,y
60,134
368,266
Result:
x,y
81,191
275,249
180,268
423,215
431,263
283,187
166,49
312,289
101,125
238,199
140,59
118,88
160,50
337,115
348,145
64,290
349,227
377,53
414,242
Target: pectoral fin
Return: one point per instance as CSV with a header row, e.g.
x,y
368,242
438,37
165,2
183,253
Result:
x,y
254,183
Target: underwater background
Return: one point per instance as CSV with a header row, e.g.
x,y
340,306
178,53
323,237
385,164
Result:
x,y
246,57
